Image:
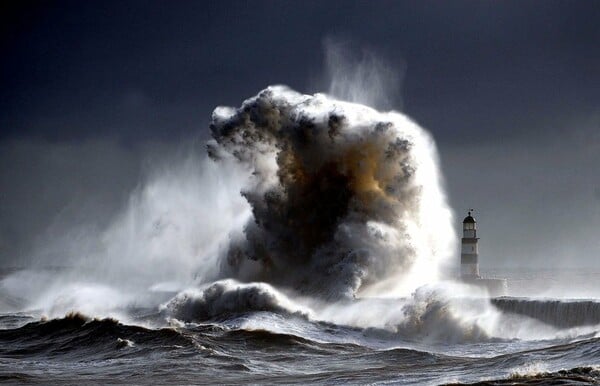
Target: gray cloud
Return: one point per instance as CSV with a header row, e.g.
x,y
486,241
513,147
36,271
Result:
x,y
535,199
52,188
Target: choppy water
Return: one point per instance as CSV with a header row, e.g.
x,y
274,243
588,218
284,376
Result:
x,y
240,346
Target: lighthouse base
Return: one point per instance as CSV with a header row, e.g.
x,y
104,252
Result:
x,y
495,287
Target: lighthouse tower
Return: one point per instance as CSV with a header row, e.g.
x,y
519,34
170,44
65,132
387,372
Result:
x,y
469,257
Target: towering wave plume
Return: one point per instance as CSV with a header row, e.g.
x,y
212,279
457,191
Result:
x,y
346,200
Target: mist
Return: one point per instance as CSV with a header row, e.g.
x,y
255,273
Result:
x,y
53,187
359,74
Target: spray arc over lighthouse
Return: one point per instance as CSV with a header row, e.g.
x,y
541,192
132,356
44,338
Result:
x,y
344,198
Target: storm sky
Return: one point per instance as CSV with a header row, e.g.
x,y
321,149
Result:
x,y
91,93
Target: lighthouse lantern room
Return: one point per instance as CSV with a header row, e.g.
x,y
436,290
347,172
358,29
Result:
x,y
469,257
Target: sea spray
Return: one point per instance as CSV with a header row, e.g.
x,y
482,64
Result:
x,y
310,211
358,75
344,198
167,237
307,204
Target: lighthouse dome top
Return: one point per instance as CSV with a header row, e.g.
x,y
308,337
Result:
x,y
469,219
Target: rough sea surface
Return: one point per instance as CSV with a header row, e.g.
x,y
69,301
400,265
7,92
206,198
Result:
x,y
266,347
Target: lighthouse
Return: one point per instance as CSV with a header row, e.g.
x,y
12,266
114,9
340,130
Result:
x,y
469,256
469,261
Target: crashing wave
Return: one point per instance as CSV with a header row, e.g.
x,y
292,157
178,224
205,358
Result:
x,y
228,297
344,198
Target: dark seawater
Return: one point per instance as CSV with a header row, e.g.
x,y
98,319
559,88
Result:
x,y
79,350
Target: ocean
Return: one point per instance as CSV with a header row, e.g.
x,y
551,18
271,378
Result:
x,y
311,244
550,341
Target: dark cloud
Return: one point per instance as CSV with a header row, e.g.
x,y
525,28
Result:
x,y
487,78
69,65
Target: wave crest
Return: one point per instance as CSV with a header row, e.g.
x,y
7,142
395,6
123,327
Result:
x,y
228,297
